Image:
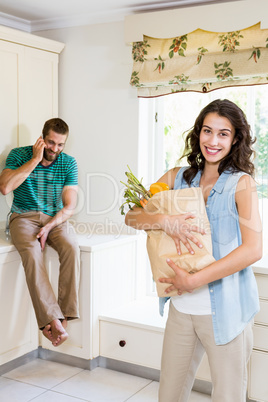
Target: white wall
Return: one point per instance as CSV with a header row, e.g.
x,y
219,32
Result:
x,y
220,17
101,108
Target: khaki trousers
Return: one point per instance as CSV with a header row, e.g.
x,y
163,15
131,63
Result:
x,y
186,338
23,229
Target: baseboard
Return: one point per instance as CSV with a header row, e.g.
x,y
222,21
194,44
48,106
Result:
x,y
129,368
20,361
74,361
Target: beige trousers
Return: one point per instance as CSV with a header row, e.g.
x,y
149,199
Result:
x,y
186,338
23,229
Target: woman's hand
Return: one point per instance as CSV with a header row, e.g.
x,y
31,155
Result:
x,y
177,227
182,281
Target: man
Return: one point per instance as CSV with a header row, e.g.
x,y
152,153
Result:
x,y
44,182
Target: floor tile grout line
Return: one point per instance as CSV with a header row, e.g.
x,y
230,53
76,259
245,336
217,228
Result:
x,y
135,393
37,396
66,379
52,389
60,393
25,382
46,389
41,387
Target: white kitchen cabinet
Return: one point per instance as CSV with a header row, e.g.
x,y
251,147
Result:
x,y
18,324
258,365
134,334
108,280
28,97
28,91
258,384
38,93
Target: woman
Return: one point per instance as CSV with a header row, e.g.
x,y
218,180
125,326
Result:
x,y
214,309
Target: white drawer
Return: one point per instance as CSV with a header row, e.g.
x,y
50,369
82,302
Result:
x,y
262,316
260,337
258,369
262,282
142,346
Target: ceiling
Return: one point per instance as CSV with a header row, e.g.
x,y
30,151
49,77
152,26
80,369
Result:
x,y
34,15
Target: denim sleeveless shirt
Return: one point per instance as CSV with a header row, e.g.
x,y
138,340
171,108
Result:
x,y
234,299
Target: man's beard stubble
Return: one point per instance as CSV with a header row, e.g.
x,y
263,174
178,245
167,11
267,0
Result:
x,y
50,157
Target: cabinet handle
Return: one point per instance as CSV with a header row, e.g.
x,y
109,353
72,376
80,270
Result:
x,y
122,343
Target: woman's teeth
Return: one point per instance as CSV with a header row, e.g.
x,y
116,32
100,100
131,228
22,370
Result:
x,y
212,151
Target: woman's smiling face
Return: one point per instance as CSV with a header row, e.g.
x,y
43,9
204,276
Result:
x,y
216,138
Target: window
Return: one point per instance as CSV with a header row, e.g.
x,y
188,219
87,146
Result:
x,y
166,118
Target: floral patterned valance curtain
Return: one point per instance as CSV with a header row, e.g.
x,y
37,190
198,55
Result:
x,y
200,61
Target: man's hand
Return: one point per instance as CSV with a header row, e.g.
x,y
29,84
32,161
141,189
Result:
x,y
69,197
38,149
177,227
42,236
181,281
10,179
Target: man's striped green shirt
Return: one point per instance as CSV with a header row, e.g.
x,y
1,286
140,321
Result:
x,y
42,189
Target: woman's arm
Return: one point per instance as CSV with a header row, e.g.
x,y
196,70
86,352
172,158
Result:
x,y
176,226
246,254
139,219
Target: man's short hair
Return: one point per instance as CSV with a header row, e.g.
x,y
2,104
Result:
x,y
56,124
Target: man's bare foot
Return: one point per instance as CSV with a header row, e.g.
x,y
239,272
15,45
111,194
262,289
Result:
x,y
47,332
64,323
55,332
62,338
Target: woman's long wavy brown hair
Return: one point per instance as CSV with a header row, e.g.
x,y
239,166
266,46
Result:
x,y
239,157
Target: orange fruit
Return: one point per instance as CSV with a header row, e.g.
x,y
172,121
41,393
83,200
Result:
x,y
157,187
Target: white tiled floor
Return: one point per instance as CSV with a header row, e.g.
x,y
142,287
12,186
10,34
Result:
x,y
45,381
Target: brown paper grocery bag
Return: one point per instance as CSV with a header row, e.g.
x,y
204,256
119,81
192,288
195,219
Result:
x,y
160,246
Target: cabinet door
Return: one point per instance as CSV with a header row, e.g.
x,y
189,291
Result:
x,y
19,331
258,369
28,97
113,282
38,93
10,60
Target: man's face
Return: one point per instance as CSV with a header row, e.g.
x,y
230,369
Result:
x,y
54,145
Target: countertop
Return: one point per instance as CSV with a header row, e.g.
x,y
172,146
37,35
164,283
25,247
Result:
x,y
88,242
91,241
